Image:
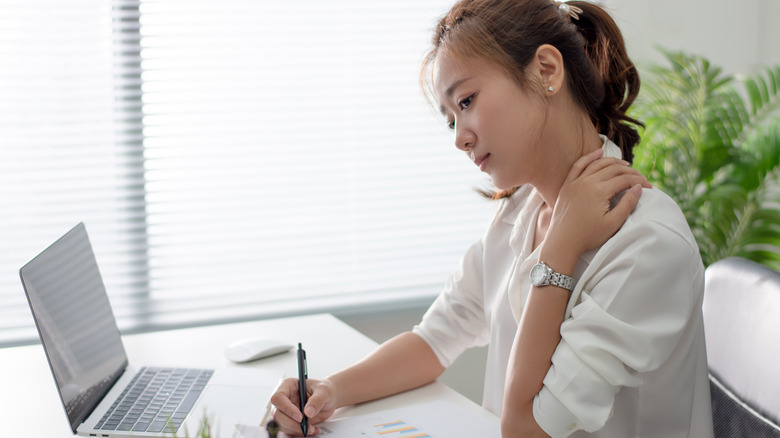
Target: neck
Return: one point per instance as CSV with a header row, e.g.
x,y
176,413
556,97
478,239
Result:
x,y
566,143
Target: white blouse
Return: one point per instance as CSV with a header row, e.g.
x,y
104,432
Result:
x,y
631,361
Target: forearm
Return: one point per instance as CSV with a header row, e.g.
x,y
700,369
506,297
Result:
x,y
402,363
582,219
537,337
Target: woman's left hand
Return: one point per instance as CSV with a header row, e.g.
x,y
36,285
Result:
x,y
583,217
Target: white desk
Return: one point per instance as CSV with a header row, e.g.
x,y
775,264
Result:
x,y
29,400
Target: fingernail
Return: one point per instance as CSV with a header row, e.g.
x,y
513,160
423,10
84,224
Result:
x,y
625,163
309,411
637,189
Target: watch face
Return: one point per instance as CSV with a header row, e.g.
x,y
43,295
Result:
x,y
538,274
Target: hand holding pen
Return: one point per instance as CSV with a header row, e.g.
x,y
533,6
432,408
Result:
x,y
294,395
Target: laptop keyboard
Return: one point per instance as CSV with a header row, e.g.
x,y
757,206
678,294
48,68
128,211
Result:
x,y
156,400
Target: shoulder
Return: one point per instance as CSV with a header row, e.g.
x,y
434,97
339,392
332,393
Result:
x,y
657,213
656,234
654,252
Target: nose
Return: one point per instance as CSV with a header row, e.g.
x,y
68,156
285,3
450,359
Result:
x,y
464,138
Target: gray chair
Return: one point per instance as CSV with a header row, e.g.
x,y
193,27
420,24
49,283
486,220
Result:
x,y
742,327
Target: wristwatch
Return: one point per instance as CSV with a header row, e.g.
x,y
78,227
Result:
x,y
543,275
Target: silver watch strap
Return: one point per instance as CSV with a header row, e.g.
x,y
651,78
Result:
x,y
564,281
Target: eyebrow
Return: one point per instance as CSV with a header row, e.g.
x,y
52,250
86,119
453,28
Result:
x,y
451,89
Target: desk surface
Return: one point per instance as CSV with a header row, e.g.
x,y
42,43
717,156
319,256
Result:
x,y
30,406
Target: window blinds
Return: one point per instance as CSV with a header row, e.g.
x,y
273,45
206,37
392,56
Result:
x,y
68,150
231,159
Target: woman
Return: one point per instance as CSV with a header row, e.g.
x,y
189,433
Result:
x,y
588,296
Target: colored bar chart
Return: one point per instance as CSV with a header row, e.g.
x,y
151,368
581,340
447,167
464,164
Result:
x,y
399,429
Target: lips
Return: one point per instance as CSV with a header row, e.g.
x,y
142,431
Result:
x,y
480,161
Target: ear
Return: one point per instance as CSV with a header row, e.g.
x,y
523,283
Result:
x,y
547,66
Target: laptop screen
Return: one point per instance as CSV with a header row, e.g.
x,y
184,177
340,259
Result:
x,y
75,321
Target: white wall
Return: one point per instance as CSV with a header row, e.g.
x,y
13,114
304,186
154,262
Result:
x,y
739,36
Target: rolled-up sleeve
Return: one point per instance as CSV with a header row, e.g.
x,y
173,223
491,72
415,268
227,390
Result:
x,y
456,319
630,309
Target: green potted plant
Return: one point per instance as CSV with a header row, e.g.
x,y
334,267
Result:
x,y
712,142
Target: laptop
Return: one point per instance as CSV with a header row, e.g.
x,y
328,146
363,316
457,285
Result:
x,y
103,395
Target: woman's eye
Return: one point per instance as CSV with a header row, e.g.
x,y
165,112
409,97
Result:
x,y
463,104
451,125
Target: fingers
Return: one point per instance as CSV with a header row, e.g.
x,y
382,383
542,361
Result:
x,y
318,407
607,165
286,399
315,404
593,163
612,174
626,205
583,162
621,168
620,182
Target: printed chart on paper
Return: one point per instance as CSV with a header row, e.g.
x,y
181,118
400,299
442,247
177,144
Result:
x,y
436,419
392,429
400,429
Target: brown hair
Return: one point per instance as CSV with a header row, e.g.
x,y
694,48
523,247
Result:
x,y
600,75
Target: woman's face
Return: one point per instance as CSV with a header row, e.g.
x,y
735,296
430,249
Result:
x,y
499,125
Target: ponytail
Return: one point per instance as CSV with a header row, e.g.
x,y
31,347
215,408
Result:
x,y
605,48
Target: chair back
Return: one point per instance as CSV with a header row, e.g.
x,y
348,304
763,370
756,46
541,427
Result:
x,y
742,326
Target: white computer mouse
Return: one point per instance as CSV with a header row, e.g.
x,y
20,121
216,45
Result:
x,y
247,350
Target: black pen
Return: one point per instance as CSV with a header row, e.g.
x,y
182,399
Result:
x,y
303,396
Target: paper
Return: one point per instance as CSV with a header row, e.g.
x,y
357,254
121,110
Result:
x,y
434,419
246,431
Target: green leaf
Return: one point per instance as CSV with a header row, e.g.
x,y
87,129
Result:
x,y
713,144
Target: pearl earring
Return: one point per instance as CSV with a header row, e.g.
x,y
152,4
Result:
x,y
550,89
